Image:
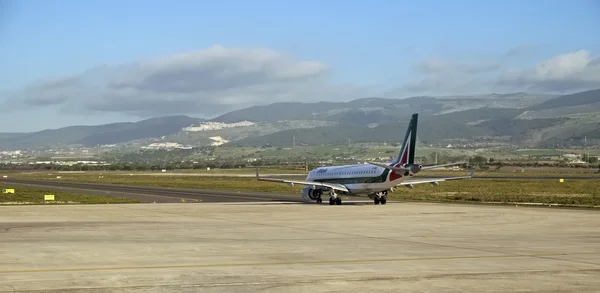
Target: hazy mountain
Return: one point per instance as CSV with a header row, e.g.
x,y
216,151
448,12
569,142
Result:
x,y
518,118
112,133
510,118
375,110
583,105
577,99
463,125
429,130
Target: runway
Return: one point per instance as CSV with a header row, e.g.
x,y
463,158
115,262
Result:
x,y
155,193
273,247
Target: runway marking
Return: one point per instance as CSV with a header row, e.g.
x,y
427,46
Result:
x,y
100,190
273,263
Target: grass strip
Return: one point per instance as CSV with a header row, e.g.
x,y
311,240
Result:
x,y
24,196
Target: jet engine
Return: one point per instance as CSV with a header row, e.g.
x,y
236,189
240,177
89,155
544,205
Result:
x,y
414,168
309,193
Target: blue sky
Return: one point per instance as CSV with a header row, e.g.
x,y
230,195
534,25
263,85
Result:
x,y
374,45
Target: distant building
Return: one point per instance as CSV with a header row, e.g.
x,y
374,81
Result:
x,y
205,126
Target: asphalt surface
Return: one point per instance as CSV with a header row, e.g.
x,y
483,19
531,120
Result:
x,y
274,247
155,193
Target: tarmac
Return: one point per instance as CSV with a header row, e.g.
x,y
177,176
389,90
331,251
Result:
x,y
289,247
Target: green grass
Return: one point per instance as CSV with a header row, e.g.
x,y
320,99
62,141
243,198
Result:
x,y
540,152
218,183
570,192
36,196
516,172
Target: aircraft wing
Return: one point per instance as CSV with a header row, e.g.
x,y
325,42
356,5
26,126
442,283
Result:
x,y
312,183
432,180
443,165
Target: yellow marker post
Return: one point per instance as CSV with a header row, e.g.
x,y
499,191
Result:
x,y
561,180
8,190
49,197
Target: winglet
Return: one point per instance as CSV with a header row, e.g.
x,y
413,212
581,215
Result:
x,y
257,177
473,172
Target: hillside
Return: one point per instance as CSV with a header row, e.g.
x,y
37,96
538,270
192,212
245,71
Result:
x,y
577,99
455,126
210,136
429,131
377,110
517,119
584,106
112,133
477,120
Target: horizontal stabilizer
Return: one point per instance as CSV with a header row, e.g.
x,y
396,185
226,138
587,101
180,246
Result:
x,y
443,165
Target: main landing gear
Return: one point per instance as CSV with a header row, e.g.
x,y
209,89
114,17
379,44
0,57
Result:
x,y
380,197
316,196
334,199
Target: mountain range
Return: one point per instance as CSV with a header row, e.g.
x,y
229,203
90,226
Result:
x,y
524,119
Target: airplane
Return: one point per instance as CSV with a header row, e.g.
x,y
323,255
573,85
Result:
x,y
370,179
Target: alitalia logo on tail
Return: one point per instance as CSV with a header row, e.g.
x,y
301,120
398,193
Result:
x,y
407,152
406,156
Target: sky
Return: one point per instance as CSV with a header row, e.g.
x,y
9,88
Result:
x,y
67,62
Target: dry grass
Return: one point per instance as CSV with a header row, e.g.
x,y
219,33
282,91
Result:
x,y
570,192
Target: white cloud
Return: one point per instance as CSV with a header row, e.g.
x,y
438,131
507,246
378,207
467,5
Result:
x,y
216,80
574,71
206,82
564,73
437,65
444,76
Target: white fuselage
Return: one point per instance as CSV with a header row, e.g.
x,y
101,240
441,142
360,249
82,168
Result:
x,y
360,179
